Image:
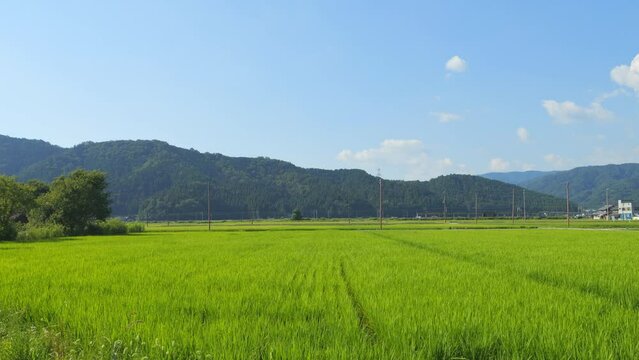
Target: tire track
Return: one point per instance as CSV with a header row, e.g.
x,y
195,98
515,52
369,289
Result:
x,y
364,321
534,276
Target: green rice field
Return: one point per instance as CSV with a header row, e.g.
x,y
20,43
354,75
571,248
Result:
x,y
327,290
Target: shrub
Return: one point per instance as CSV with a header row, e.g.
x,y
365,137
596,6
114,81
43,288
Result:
x,y
8,231
135,227
40,232
296,215
112,227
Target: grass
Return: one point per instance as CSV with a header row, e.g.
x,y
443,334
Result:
x,y
325,290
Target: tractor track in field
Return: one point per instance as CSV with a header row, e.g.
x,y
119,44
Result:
x,y
535,276
364,321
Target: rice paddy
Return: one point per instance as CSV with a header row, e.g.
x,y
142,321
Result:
x,y
325,290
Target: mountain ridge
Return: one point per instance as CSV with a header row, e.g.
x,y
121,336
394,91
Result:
x,y
153,179
588,184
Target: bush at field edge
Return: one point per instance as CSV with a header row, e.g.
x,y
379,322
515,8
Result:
x,y
40,232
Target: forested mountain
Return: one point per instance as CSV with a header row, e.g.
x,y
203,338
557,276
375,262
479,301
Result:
x,y
588,184
156,180
516,177
16,154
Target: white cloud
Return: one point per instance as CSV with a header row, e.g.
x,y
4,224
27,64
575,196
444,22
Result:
x,y
456,64
446,117
522,134
610,95
446,162
554,160
628,76
567,112
498,164
389,150
406,159
345,155
526,166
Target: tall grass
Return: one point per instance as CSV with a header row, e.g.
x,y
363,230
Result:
x,y
49,231
135,227
40,232
115,227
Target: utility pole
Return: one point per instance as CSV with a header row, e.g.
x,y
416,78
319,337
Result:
x,y
475,208
607,206
445,209
568,203
381,200
512,214
209,203
524,190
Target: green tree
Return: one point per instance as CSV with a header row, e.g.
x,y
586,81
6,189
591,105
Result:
x,y
14,199
296,215
76,201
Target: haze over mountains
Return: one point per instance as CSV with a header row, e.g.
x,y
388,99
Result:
x,y
156,180
516,177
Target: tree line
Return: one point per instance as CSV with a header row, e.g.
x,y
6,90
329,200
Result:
x,y
74,204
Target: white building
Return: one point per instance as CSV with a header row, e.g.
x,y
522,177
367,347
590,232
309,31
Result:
x,y
625,209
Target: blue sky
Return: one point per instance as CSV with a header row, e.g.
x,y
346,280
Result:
x,y
418,89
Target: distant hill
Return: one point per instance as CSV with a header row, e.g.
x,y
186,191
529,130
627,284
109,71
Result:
x,y
156,180
16,154
588,184
516,177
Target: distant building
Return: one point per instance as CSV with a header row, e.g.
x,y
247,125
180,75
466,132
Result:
x,y
604,212
625,209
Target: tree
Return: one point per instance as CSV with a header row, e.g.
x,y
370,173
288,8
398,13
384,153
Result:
x,y
296,215
77,200
13,201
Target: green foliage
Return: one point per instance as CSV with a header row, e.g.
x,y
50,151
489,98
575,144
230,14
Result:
x,y
154,180
296,215
73,205
14,199
114,227
8,231
77,200
135,227
108,227
23,338
18,154
40,232
588,184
